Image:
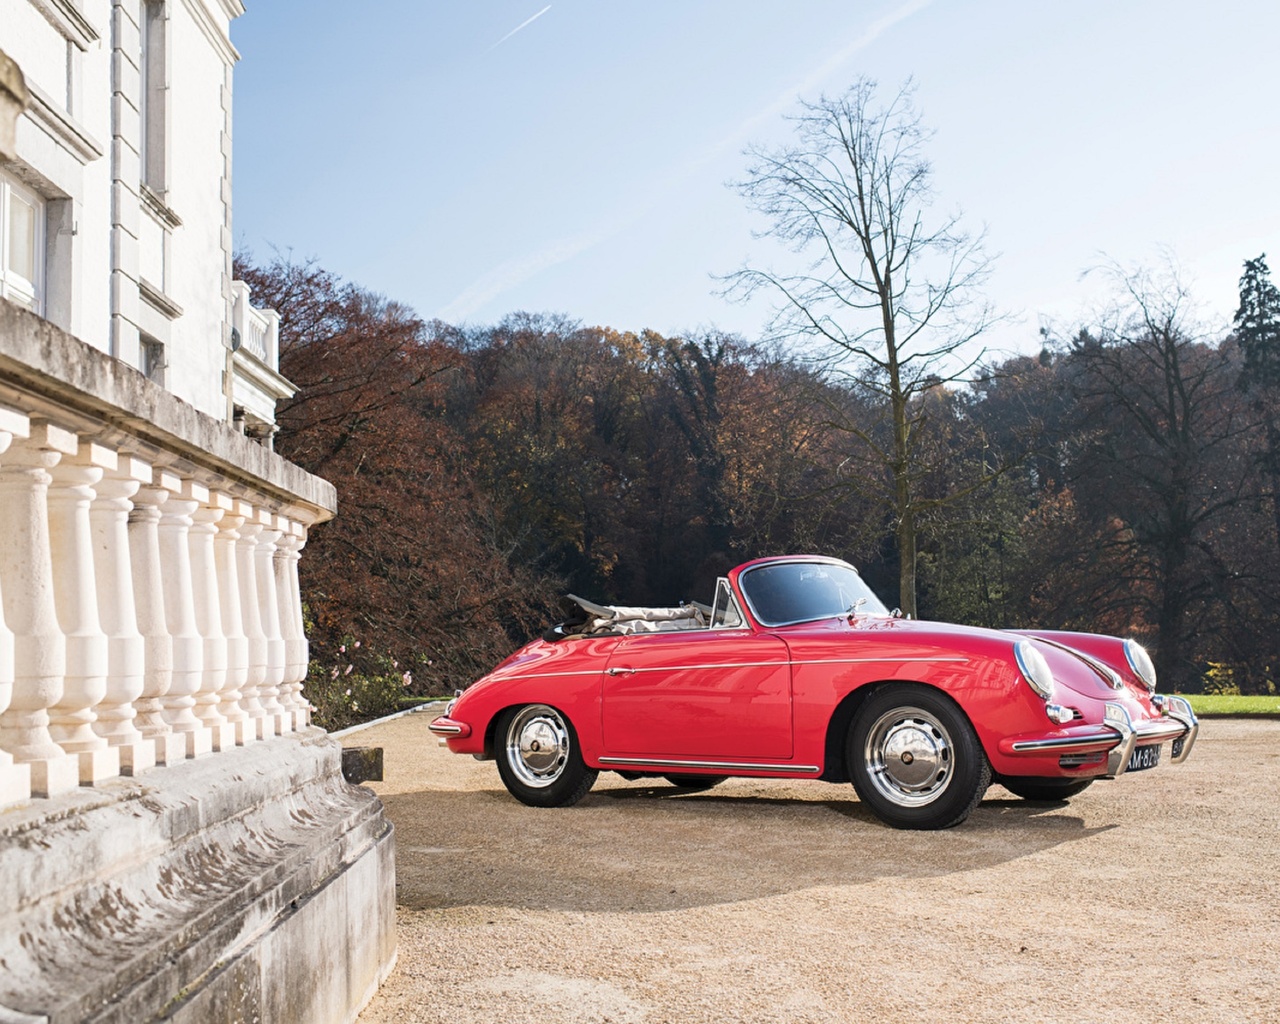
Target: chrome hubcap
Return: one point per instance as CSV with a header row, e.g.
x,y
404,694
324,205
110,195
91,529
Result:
x,y
537,745
910,756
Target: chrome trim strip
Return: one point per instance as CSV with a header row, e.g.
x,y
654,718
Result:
x,y
768,664
447,729
1108,675
872,661
1160,732
1144,734
740,766
615,669
550,675
1059,742
620,669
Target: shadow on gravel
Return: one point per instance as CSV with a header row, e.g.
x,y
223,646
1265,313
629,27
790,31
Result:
x,y
651,848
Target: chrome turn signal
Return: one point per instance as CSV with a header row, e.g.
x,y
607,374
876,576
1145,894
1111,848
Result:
x,y
1057,713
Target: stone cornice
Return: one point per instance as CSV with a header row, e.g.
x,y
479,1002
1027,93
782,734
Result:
x,y
212,30
67,19
47,372
254,369
155,204
45,112
158,300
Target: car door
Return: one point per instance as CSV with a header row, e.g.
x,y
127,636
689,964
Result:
x,y
712,693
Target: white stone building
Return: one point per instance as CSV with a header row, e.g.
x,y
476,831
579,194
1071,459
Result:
x,y
117,208
176,840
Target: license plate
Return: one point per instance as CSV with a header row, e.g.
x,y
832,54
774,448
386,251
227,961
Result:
x,y
1143,758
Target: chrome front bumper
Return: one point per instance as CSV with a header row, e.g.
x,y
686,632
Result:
x,y
1118,736
446,728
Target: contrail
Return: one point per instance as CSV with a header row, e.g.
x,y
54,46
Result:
x,y
517,270
523,24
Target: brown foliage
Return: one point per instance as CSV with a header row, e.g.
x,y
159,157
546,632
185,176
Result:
x,y
483,472
409,569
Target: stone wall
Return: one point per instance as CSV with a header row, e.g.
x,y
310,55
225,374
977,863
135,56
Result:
x,y
176,840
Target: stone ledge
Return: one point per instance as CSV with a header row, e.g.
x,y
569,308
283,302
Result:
x,y
43,366
258,877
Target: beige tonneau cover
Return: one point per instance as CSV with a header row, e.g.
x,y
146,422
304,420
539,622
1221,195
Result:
x,y
605,618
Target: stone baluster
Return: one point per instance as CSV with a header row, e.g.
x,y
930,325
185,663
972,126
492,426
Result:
x,y
39,652
224,553
291,625
75,592
180,616
118,615
262,724
148,596
208,614
15,779
269,607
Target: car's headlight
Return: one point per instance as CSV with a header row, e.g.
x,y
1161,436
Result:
x,y
1140,661
1035,670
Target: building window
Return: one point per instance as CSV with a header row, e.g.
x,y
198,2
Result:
x,y
22,217
153,361
154,107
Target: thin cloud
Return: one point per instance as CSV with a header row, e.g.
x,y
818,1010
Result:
x,y
523,24
517,271
814,80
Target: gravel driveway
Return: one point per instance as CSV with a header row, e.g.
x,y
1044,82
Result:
x,y
1152,898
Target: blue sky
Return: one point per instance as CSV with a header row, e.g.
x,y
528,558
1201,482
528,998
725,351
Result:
x,y
480,157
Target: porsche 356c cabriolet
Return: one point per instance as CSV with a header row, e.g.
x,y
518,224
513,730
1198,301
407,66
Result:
x,y
796,670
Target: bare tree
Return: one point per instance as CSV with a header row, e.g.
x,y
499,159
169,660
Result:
x,y
1163,457
885,302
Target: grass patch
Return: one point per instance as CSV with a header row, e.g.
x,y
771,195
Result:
x,y
1232,705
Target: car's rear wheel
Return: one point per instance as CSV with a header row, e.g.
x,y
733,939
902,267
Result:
x,y
914,758
1048,790
538,757
695,783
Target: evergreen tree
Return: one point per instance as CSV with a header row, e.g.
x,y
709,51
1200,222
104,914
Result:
x,y
1258,333
1258,326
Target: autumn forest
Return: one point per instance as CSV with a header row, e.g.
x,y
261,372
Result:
x,y
1124,479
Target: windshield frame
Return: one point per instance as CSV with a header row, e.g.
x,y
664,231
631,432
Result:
x,y
863,600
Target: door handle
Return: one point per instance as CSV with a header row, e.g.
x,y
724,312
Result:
x,y
619,671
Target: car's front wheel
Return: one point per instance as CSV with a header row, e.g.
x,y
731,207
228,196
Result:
x,y
538,757
914,758
1048,790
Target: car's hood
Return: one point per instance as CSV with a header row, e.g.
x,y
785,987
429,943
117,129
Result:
x,y
1088,672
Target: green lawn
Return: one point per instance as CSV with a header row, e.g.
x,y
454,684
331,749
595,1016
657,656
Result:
x,y
1213,704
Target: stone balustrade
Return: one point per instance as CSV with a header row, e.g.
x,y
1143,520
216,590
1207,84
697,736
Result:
x,y
257,329
141,605
150,611
256,384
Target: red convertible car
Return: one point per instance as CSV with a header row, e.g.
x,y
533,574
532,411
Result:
x,y
796,670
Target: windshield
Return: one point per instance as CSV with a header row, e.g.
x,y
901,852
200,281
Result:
x,y
788,592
